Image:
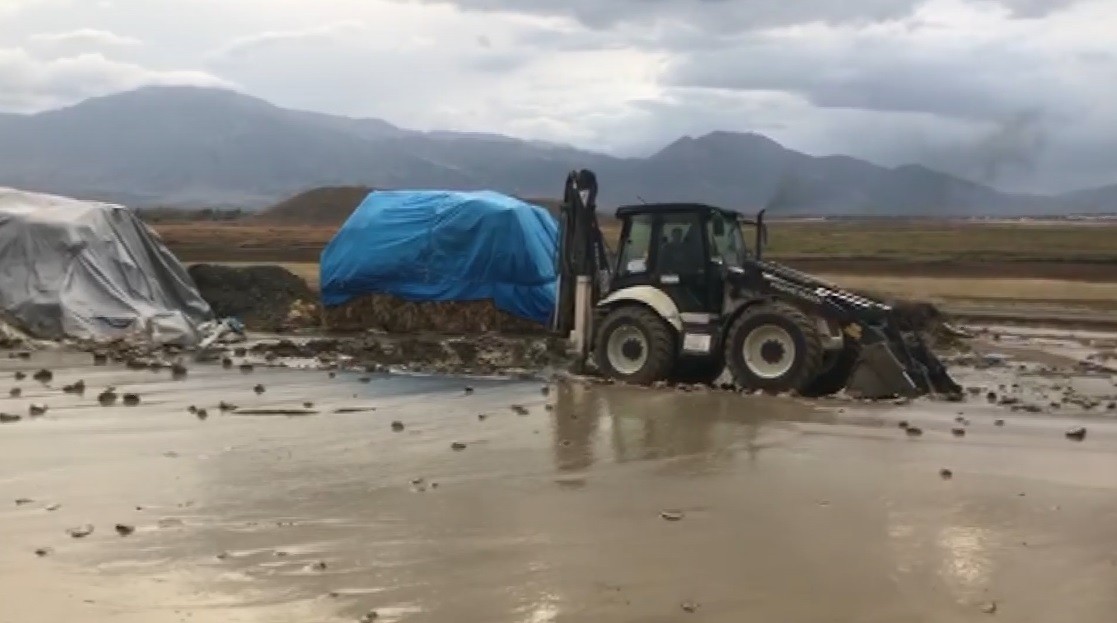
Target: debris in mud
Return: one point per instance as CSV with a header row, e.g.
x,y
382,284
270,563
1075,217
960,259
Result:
x,y
24,501
223,556
107,397
998,422
259,389
520,410
946,474
397,426
246,368
672,515
458,446
904,424
1077,434
7,418
201,414
124,529
468,391
131,400
192,409
958,432
226,363
914,431
52,507
369,617
545,390
74,388
19,376
178,371
37,410
689,607
80,532
43,376
989,607
308,405
1028,408
15,392
260,296
43,552
482,417
365,379
100,358
225,406
319,566
991,397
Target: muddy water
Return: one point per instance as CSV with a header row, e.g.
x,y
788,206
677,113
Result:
x,y
786,511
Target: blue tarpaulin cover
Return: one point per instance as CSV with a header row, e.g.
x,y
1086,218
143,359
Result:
x,y
445,246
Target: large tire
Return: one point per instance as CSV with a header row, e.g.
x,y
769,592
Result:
x,y
634,345
785,348
833,377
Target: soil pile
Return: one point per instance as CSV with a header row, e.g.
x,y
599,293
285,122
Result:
x,y
382,312
262,297
329,205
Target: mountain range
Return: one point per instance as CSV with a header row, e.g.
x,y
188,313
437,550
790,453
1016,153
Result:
x,y
197,147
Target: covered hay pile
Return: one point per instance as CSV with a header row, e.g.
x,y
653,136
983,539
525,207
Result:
x,y
383,312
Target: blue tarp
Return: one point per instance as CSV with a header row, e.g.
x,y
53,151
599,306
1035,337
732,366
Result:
x,y
445,246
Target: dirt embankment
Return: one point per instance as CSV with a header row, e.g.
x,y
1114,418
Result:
x,y
262,297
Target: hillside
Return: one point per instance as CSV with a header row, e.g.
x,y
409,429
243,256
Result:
x,y
192,147
320,206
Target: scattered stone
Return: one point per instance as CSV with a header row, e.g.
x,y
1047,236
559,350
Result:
x,y
998,422
225,406
914,431
246,368
991,397
482,417
7,418
223,556
468,391
1077,434
80,532
15,392
20,376
689,607
202,414
131,400
457,446
946,474
904,424
989,607
43,552
397,426
178,371
74,388
308,405
100,359
959,419
53,507
37,410
545,390
520,410
192,409
107,397
959,432
226,363
23,501
365,379
259,389
125,529
333,375
369,617
672,515
240,351
551,407
43,376
1112,406
319,566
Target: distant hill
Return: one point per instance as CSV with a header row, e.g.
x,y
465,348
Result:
x,y
194,147
320,206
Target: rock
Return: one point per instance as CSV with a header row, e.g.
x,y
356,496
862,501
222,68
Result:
x,y
904,424
482,417
319,566
333,375
672,515
946,474
240,351
989,607
178,371
75,388
53,507
308,405
80,532
545,390
369,617
468,391
365,379
131,400
226,363
914,431
225,406
998,422
43,552
43,376
991,397
100,359
125,529
259,389
202,414
15,392
24,501
107,397
246,368
191,409
20,376
551,407
520,410
397,426
457,446
223,556
689,607
1077,434
959,432
7,418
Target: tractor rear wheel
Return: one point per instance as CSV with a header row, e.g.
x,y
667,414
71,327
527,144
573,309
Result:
x,y
773,347
836,370
635,345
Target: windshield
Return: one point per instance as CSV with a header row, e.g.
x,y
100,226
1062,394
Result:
x,y
726,241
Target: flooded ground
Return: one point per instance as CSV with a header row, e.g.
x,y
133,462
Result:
x,y
611,504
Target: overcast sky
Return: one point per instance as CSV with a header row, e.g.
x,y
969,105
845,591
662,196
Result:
x,y
1018,93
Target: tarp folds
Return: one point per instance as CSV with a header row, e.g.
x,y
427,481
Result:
x,y
88,270
445,246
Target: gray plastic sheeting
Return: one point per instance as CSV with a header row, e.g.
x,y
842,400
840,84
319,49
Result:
x,y
89,270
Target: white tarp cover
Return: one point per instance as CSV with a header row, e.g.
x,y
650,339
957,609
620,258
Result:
x,y
82,269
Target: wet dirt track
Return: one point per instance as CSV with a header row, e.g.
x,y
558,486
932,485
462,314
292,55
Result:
x,y
783,511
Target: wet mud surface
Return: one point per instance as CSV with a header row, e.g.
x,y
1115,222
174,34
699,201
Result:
x,y
389,497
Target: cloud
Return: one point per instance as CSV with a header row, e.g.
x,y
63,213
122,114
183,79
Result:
x,y
83,38
28,83
250,43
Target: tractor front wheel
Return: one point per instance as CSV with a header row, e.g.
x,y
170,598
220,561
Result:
x,y
773,347
635,345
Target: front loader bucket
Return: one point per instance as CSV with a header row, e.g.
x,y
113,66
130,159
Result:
x,y
879,374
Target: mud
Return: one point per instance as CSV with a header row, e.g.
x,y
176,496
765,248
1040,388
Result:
x,y
582,503
264,298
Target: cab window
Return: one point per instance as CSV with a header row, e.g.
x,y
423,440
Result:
x,y
726,242
634,254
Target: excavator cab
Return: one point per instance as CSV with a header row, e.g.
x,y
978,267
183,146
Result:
x,y
684,298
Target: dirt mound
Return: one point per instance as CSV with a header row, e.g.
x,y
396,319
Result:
x,y
383,312
329,205
262,297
